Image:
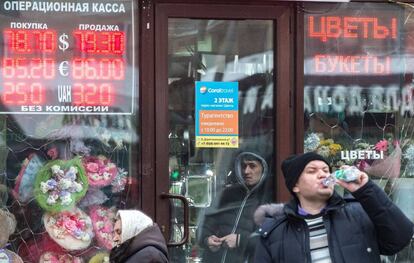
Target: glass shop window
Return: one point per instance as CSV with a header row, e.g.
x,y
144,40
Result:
x,y
215,69
358,94
68,127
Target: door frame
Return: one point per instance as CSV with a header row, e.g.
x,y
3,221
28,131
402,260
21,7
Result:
x,y
283,16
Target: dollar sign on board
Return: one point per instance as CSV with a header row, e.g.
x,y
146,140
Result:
x,y
64,44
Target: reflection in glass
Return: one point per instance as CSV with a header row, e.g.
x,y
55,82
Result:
x,y
219,50
68,129
358,96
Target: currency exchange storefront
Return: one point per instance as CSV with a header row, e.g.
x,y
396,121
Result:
x,y
108,105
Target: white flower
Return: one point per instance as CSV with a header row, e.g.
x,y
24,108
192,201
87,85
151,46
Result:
x,y
106,175
65,184
86,237
324,151
311,142
48,256
122,172
73,169
52,221
70,175
51,199
60,173
409,153
77,186
44,187
95,176
55,169
66,199
57,233
100,224
101,212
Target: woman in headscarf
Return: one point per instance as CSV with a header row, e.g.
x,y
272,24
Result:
x,y
137,239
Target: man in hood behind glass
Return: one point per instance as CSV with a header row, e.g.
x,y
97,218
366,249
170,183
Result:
x,y
228,227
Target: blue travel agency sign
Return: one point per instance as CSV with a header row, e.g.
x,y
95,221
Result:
x,y
217,114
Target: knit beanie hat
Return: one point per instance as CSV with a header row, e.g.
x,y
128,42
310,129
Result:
x,y
293,167
133,222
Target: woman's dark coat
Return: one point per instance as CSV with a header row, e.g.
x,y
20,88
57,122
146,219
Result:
x,y
358,230
146,247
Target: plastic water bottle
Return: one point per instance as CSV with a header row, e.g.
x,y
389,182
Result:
x,y
348,174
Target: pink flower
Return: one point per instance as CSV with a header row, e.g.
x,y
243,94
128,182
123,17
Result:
x,y
382,145
92,167
70,225
102,170
53,153
54,258
107,228
80,224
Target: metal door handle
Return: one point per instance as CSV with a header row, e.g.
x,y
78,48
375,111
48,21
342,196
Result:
x,y
186,216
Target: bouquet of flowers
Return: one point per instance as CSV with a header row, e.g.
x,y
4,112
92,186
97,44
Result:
x,y
60,184
72,229
23,189
315,142
120,180
103,219
100,170
390,163
100,257
53,257
409,160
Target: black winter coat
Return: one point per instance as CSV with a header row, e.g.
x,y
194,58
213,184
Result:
x,y
146,247
234,214
358,230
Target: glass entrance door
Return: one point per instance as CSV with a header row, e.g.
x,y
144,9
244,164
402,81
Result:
x,y
220,133
219,51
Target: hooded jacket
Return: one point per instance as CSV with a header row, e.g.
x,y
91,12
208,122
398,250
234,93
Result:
x,y
234,214
146,247
359,230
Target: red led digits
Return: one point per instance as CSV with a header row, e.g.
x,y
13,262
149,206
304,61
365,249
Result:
x,y
8,68
93,94
331,27
23,93
98,69
18,70
42,67
92,42
112,68
28,68
118,42
29,65
30,41
45,40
